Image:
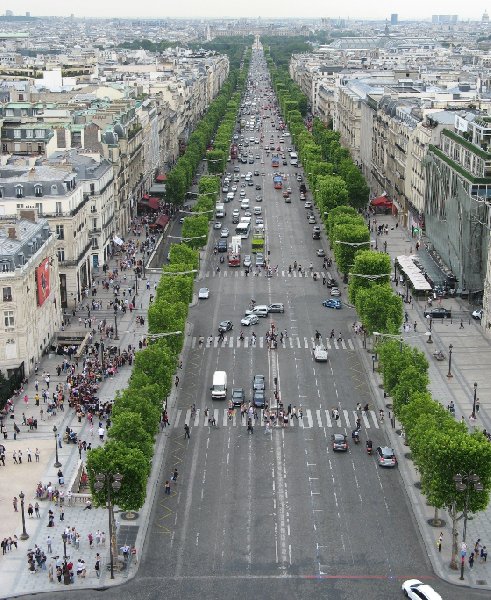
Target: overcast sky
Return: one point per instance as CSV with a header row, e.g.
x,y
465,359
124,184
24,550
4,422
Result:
x,y
417,9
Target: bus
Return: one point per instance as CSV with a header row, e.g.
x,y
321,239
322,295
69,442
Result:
x,y
275,161
278,182
243,230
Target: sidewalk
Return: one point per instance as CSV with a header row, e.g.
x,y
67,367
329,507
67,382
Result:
x,y
471,358
15,577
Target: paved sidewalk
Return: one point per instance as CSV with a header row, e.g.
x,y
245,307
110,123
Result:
x,y
14,574
471,359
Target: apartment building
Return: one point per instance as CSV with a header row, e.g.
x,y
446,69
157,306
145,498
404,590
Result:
x,y
52,190
30,291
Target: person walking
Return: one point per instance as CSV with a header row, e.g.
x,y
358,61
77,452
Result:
x,y
177,380
36,510
250,427
471,560
29,455
37,454
175,475
186,431
14,502
440,540
49,542
97,566
167,487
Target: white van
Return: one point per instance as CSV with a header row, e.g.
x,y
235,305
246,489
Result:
x,y
219,387
258,210
230,196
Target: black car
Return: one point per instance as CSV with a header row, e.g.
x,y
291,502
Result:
x,y
258,398
225,326
438,313
238,396
222,245
339,442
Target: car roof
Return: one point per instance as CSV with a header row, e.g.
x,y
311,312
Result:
x,y
386,450
338,436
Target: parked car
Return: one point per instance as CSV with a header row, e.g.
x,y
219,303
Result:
x,y
477,314
438,313
339,442
386,456
203,294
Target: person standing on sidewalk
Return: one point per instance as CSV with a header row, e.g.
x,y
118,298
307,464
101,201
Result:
x,y
440,540
14,502
186,431
48,544
97,565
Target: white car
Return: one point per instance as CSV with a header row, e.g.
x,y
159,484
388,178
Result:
x,y
249,320
321,252
335,292
217,225
417,590
203,294
247,260
320,354
312,220
225,233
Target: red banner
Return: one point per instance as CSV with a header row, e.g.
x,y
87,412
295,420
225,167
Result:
x,y
42,280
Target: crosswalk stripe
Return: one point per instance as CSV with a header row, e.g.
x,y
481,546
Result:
x,y
328,418
306,342
261,342
298,342
350,344
178,416
328,344
225,273
319,420
225,418
246,342
343,345
232,341
193,343
309,418
215,342
197,418
374,419
335,344
216,415
187,417
346,416
365,420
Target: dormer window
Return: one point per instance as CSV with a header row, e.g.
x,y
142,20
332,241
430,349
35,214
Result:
x,y
1,192
38,190
54,189
19,191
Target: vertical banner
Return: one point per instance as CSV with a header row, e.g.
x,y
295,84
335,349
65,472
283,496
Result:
x,y
42,281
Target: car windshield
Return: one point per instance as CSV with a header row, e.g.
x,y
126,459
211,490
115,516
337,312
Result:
x,y
339,438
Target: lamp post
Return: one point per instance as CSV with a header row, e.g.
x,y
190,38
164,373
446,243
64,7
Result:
x,y
373,363
474,403
136,282
429,340
466,483
64,538
57,464
450,348
24,535
116,336
109,481
102,355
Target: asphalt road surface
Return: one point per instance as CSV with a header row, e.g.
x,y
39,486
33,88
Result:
x,y
277,515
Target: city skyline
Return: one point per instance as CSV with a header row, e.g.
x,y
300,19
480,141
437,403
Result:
x,y
252,9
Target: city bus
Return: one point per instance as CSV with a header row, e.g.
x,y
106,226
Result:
x,y
243,229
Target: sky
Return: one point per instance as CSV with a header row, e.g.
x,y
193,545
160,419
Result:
x,y
352,9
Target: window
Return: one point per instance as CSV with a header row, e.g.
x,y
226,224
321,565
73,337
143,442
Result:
x,y
17,134
61,254
7,294
19,191
9,112
58,209
95,243
39,133
92,189
94,224
38,190
39,208
29,133
4,148
60,232
8,318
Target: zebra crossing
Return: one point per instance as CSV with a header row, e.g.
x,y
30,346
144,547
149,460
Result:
x,y
291,342
311,419
279,273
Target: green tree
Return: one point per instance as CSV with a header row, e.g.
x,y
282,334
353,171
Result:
x,y
130,400
216,160
369,269
131,463
128,429
348,240
411,381
331,192
157,362
379,309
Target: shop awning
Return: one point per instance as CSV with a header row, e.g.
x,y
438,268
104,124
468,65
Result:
x,y
161,178
162,220
145,197
154,203
381,201
117,240
413,273
158,189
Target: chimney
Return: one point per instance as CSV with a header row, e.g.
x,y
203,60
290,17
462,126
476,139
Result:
x,y
12,233
28,215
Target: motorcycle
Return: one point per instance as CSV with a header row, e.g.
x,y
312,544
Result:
x,y
369,447
355,436
439,355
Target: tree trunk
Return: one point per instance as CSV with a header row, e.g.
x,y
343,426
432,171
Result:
x,y
453,560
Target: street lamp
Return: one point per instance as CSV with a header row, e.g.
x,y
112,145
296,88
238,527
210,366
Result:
x,y
373,363
466,483
449,374
24,535
64,537
474,403
116,337
429,340
57,464
109,481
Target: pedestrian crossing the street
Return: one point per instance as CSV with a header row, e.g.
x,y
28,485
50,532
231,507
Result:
x,y
311,419
289,342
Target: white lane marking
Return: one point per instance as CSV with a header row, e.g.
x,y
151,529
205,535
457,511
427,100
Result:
x,y
178,416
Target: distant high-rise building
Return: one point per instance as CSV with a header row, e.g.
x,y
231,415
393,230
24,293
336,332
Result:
x,y
394,19
444,19
485,17
9,13
28,14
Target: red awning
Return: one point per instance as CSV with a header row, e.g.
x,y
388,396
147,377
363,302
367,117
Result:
x,y
161,178
381,201
154,203
162,220
145,197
